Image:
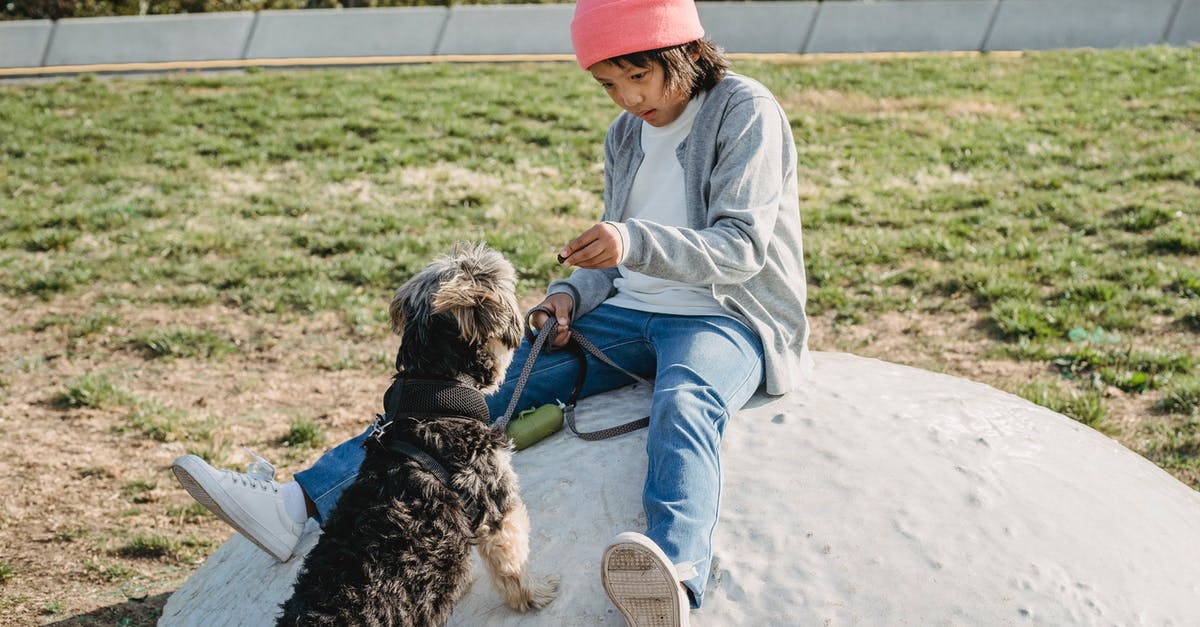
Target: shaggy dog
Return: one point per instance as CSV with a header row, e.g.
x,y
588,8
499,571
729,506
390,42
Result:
x,y
436,479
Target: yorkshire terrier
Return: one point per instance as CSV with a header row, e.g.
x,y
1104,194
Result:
x,y
436,479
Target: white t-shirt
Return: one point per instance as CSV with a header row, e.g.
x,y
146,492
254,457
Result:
x,y
658,196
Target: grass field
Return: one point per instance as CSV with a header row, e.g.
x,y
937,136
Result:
x,y
197,262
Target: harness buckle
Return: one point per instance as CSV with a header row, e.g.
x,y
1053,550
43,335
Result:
x,y
380,424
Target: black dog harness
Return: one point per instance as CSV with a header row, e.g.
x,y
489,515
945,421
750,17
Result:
x,y
424,399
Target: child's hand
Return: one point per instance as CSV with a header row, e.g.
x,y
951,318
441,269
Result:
x,y
561,304
598,247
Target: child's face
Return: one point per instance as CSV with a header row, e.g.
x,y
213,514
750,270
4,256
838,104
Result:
x,y
640,91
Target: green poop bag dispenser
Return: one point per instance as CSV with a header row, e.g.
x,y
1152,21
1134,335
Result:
x,y
534,424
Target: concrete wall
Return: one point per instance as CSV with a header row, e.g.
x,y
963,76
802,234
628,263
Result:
x,y
901,25
1038,24
507,29
193,37
809,26
1185,27
346,33
758,27
24,44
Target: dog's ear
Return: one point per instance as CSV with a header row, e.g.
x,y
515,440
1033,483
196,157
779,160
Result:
x,y
411,303
478,289
482,309
397,310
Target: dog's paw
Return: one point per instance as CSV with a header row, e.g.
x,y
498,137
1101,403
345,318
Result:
x,y
538,594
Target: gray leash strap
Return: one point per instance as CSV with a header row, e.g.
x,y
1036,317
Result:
x,y
577,346
569,409
534,349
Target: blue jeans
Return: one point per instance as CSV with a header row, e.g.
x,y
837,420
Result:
x,y
705,368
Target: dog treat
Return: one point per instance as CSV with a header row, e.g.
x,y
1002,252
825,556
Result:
x,y
561,259
533,425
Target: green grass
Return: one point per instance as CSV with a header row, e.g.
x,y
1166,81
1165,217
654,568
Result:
x,y
91,390
92,324
211,450
139,491
1054,195
161,423
190,513
182,341
141,545
303,433
110,571
69,535
259,191
1175,446
1183,398
1056,176
1085,406
7,572
95,471
148,545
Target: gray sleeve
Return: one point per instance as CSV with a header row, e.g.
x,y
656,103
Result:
x,y
586,287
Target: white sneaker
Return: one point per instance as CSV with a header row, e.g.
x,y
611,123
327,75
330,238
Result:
x,y
642,583
250,503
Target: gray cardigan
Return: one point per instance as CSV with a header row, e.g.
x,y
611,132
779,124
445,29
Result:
x,y
743,235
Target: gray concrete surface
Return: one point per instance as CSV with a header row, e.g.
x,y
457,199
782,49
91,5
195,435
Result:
x,y
1185,29
192,37
808,26
507,29
1050,24
408,31
877,495
779,27
900,25
23,44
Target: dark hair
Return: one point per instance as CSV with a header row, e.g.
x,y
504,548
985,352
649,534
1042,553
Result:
x,y
680,72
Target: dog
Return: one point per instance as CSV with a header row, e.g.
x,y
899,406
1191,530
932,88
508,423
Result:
x,y
436,479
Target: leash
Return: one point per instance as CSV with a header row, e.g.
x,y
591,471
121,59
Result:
x,y
577,345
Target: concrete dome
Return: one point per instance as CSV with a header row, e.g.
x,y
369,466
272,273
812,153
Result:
x,y
881,495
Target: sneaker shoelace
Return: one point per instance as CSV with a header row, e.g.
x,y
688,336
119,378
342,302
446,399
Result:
x,y
259,474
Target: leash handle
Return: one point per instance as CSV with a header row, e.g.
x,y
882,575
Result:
x,y
577,346
529,332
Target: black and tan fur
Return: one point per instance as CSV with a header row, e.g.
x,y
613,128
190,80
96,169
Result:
x,y
396,550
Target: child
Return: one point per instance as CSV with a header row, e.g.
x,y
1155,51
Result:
x,y
694,277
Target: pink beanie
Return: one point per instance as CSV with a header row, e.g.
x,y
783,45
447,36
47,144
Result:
x,y
603,29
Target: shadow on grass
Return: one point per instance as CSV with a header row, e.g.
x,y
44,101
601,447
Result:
x,y
131,613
